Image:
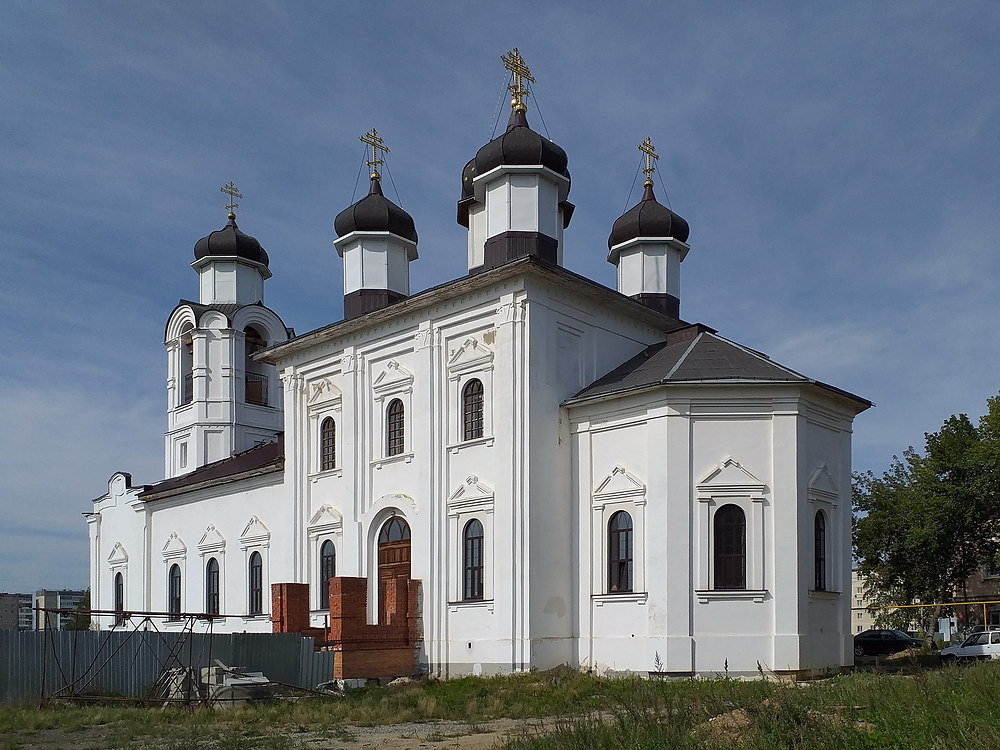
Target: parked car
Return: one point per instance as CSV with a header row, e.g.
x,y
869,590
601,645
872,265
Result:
x,y
876,642
981,645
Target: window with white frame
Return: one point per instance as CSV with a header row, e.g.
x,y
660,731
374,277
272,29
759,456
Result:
x,y
470,372
472,560
620,553
393,391
255,541
328,445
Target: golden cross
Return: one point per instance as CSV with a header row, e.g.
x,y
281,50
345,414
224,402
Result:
x,y
515,64
374,140
650,151
233,194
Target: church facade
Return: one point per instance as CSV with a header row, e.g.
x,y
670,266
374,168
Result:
x,y
574,474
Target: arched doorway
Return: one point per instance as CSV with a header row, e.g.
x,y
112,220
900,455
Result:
x,y
393,558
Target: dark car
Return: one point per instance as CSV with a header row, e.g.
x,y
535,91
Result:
x,y
875,642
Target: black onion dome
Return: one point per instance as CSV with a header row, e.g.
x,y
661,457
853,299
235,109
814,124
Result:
x,y
375,213
647,218
520,145
228,242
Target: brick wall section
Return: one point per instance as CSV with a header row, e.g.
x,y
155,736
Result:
x,y
289,607
364,650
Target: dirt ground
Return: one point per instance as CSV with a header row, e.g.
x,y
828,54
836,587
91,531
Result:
x,y
438,734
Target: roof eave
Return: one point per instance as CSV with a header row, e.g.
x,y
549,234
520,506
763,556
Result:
x,y
429,297
278,465
620,393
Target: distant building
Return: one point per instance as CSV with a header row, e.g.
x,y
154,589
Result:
x,y
862,618
16,611
62,599
25,611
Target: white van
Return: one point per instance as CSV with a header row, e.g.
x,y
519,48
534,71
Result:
x,y
977,646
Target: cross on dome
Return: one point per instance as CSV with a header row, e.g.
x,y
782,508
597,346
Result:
x,y
231,190
649,150
374,140
521,73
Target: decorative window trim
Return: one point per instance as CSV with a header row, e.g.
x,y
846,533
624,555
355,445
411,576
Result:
x,y
319,408
729,483
395,381
213,544
455,606
471,360
256,537
473,500
710,595
636,597
326,523
472,355
619,490
822,488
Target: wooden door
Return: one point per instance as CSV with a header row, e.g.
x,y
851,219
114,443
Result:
x,y
393,558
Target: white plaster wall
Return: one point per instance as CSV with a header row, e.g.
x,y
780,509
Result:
x,y
668,445
650,268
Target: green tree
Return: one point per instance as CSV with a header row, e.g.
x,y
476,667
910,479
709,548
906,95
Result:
x,y
81,618
932,519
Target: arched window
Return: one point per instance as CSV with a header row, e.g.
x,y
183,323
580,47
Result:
x,y
730,528
472,410
620,553
328,445
212,586
256,379
119,599
174,592
327,570
395,424
256,580
186,366
472,560
819,549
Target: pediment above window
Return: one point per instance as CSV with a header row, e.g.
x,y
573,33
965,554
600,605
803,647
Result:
x,y
174,547
473,354
471,495
822,486
326,520
211,540
118,555
620,483
255,533
730,475
393,379
323,391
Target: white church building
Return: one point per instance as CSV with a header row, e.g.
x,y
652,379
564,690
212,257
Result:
x,y
573,473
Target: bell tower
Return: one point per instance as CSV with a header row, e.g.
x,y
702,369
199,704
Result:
x,y
220,401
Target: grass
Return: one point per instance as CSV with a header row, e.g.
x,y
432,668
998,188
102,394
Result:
x,y
947,708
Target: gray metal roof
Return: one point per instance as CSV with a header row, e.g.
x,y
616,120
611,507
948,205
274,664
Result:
x,y
696,355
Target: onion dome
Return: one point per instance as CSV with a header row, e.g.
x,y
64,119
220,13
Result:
x,y
520,145
648,218
228,242
375,213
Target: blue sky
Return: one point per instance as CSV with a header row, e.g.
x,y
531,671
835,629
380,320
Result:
x,y
838,164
